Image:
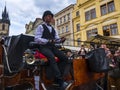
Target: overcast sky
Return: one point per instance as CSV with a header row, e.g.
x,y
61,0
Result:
x,y
21,12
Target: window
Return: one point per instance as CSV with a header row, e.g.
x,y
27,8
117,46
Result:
x,y
107,8
113,28
109,30
3,27
111,7
103,10
106,31
91,32
78,41
64,18
68,15
91,14
77,13
87,16
78,27
62,29
60,20
67,28
57,22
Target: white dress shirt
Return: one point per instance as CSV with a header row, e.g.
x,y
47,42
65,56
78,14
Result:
x,y
39,33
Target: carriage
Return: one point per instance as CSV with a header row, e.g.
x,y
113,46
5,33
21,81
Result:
x,y
21,70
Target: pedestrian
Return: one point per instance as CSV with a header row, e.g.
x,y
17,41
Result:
x,y
69,67
117,57
108,58
82,52
46,36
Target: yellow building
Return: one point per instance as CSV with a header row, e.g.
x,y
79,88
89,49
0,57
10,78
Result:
x,y
96,17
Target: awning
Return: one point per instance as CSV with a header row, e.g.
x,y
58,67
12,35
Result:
x,y
72,48
99,39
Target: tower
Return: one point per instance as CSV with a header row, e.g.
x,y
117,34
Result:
x,y
4,23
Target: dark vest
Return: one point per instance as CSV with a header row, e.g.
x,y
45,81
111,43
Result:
x,y
47,34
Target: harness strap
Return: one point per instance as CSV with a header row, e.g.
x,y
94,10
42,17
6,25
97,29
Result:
x,y
6,58
8,66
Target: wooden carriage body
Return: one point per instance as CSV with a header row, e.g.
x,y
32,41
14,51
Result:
x,y
82,78
25,77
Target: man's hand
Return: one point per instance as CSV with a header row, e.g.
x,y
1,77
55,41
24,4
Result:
x,y
62,39
51,41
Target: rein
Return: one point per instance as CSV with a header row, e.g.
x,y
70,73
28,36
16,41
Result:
x,y
7,62
6,58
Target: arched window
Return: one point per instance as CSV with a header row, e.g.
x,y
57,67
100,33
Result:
x,y
3,27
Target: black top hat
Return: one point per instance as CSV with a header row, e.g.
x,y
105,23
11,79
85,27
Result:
x,y
47,13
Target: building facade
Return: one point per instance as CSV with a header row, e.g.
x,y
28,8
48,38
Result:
x,y
30,28
63,23
96,17
4,23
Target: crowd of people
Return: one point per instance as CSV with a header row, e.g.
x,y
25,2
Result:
x,y
113,55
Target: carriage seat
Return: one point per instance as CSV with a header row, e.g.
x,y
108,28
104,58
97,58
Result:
x,y
33,45
38,54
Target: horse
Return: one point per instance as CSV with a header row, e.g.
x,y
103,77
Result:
x,y
13,66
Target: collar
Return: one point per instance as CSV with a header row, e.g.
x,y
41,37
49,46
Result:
x,y
47,24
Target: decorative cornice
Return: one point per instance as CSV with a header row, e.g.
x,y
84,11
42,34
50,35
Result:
x,y
85,3
65,9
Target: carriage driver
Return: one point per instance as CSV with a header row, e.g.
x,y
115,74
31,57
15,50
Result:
x,y
47,36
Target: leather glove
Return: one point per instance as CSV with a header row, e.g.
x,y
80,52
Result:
x,y
51,42
62,39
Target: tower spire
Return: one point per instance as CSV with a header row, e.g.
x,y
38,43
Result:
x,y
5,16
4,22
